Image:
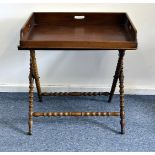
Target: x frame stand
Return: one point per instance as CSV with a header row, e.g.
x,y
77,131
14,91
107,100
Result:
x,y
34,76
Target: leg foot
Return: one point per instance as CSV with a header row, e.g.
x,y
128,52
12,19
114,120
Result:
x,y
122,131
29,133
40,99
30,125
109,100
122,122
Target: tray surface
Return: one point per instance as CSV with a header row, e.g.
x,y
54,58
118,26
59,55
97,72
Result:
x,y
79,31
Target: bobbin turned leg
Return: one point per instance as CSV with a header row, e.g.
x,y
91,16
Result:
x,y
36,75
31,88
116,76
121,86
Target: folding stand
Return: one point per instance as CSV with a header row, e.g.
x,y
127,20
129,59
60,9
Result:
x,y
35,76
86,31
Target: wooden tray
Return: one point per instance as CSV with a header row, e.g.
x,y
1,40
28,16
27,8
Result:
x,y
78,31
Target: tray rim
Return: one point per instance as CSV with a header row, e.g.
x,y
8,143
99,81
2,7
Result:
x,y
22,41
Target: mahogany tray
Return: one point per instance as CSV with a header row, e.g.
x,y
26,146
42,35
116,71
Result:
x,y
78,31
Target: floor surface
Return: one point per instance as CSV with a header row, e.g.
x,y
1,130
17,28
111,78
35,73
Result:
x,y
77,133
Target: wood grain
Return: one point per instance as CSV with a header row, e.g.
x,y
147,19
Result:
x,y
121,81
37,114
74,93
31,89
110,31
36,74
63,31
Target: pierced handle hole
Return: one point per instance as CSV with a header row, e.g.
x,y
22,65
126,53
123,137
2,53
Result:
x,y
79,17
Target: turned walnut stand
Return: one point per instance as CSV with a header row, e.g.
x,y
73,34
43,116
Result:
x,y
79,31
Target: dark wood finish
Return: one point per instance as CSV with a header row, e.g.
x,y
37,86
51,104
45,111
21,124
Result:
x,y
31,88
121,81
63,31
116,76
74,93
37,114
35,74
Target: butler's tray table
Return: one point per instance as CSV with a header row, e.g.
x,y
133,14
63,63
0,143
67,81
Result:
x,y
74,30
